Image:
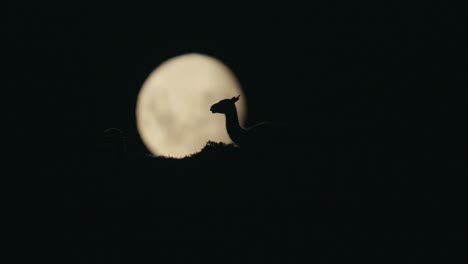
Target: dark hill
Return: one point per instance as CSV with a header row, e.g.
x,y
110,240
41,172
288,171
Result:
x,y
225,204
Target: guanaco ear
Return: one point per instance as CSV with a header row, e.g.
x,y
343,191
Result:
x,y
235,98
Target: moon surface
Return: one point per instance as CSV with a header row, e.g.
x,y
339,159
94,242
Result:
x,y
173,106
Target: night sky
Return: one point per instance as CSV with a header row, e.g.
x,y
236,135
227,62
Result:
x,y
339,62
342,75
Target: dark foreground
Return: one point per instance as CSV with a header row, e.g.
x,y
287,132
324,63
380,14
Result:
x,y
225,205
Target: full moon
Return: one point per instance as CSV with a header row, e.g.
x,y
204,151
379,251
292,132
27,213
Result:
x,y
173,106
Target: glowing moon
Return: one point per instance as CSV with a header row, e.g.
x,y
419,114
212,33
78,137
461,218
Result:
x,y
173,106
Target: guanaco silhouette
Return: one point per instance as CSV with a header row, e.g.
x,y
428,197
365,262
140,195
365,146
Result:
x,y
261,135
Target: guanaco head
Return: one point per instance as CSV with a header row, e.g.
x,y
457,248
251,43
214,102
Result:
x,y
224,105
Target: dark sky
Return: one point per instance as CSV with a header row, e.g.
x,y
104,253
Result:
x,y
83,65
387,75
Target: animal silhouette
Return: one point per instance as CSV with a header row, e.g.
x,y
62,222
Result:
x,y
261,135
113,143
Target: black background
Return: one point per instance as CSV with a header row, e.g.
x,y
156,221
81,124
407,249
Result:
x,y
379,88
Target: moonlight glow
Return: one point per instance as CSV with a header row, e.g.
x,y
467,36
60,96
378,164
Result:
x,y
173,108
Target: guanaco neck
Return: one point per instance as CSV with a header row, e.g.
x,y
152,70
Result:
x,y
232,125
